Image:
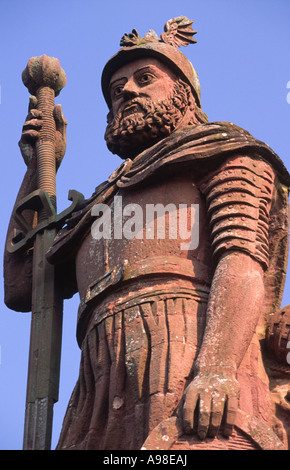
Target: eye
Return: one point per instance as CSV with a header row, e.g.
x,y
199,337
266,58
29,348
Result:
x,y
145,78
117,91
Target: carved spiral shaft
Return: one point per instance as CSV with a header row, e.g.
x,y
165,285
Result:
x,y
46,143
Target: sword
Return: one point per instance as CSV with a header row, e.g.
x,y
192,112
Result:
x,y
44,78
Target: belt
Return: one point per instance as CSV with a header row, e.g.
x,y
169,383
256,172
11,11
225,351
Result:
x,y
166,267
158,266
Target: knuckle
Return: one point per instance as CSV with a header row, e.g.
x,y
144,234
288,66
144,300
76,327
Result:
x,y
216,417
32,124
204,419
29,135
36,113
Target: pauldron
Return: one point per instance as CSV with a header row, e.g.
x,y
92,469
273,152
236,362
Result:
x,y
239,196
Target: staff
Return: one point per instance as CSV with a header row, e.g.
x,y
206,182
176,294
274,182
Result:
x,y
44,78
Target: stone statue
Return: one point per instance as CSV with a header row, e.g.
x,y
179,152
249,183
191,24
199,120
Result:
x,y
183,343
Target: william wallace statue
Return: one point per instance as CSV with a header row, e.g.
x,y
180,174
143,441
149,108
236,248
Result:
x,y
183,346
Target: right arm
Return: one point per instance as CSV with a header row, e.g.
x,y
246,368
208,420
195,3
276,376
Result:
x,y
18,266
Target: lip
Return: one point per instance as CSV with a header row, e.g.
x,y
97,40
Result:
x,y
131,109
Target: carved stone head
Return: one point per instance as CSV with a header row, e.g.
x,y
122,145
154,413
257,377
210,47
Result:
x,y
151,89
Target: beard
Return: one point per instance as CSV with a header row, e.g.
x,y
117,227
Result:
x,y
127,135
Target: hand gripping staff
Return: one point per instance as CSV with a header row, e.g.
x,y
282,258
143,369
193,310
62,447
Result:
x,y
44,78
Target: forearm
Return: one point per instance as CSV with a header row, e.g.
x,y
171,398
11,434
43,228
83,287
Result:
x,y
18,266
233,311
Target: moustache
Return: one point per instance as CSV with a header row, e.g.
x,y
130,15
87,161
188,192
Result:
x,y
136,105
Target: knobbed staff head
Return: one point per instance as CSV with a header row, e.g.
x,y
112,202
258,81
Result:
x,y
43,71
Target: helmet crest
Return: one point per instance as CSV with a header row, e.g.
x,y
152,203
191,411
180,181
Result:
x,y
177,32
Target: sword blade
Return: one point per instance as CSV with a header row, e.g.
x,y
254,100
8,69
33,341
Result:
x,y
45,348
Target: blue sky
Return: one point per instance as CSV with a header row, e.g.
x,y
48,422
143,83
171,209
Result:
x,y
242,59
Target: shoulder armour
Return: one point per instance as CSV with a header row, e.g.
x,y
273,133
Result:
x,y
238,196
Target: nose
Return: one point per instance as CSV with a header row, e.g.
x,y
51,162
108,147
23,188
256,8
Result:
x,y
130,89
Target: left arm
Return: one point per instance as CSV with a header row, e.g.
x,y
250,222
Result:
x,y
233,311
239,197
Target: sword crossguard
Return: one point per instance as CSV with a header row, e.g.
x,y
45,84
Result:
x,y
38,200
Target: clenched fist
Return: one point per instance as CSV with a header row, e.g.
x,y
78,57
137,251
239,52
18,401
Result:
x,y
31,132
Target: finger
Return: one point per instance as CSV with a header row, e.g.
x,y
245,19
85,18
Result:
x,y
230,415
60,120
204,416
217,408
189,406
29,136
32,124
32,103
34,113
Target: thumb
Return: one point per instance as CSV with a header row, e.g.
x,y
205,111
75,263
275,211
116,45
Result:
x,y
32,103
60,120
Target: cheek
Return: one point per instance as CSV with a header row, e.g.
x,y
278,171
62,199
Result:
x,y
115,110
116,104
162,90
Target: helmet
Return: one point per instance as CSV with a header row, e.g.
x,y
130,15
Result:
x,y
177,32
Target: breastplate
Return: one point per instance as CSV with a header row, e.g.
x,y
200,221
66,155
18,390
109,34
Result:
x,y
160,229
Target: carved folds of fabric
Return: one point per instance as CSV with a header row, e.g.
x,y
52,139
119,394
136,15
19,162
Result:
x,y
239,196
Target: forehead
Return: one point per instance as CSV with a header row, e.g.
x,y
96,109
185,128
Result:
x,y
131,68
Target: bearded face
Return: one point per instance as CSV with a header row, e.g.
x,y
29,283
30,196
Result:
x,y
144,122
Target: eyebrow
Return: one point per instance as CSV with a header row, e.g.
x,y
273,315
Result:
x,y
146,67
116,81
